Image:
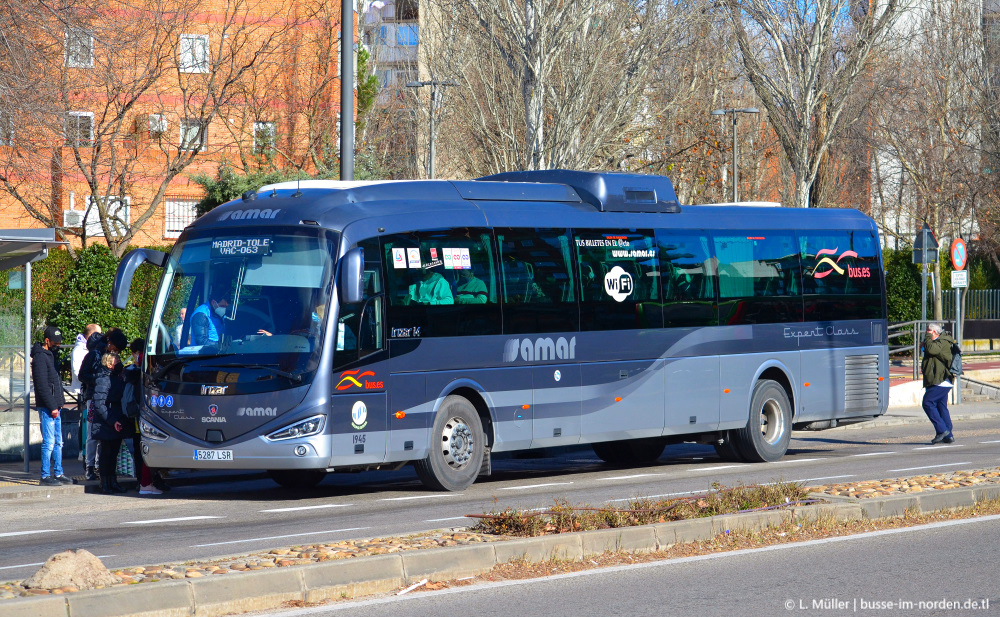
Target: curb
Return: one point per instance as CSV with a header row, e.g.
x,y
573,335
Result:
x,y
270,589
884,421
41,492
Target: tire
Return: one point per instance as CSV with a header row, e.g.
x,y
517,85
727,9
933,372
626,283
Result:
x,y
457,447
297,478
630,451
728,450
769,429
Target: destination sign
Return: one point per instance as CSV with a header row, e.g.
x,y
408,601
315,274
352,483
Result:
x,y
241,247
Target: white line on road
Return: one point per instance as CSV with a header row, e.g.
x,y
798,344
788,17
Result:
x,y
718,467
873,453
25,533
326,505
450,518
170,520
638,475
291,535
32,565
957,445
931,466
418,497
995,441
807,480
522,488
797,460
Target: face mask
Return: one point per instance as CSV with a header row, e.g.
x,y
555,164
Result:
x,y
220,311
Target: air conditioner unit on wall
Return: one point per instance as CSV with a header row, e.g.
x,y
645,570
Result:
x,y
73,218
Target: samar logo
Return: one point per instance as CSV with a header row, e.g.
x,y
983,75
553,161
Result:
x,y
618,283
349,379
851,271
359,416
249,214
539,349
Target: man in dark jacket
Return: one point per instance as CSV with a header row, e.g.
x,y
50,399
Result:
x,y
937,380
98,344
49,400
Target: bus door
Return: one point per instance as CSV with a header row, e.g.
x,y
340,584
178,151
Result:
x,y
556,406
359,407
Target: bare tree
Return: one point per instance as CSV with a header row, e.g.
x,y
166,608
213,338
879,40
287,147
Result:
x,y
803,60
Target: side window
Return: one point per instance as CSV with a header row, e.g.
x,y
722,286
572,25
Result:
x,y
619,277
537,281
687,278
758,278
841,275
442,283
360,326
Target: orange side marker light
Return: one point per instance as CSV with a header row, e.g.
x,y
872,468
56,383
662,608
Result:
x,y
726,391
400,415
806,384
618,399
525,406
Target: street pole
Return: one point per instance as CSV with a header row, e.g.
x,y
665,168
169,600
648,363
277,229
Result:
x,y
347,90
436,96
734,111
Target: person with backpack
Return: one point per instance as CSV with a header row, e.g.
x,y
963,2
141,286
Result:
x,y
109,419
936,365
149,481
98,344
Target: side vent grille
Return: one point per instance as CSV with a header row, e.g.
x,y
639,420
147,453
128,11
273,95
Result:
x,y
861,383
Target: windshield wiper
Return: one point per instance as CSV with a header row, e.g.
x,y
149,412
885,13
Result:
x,y
267,367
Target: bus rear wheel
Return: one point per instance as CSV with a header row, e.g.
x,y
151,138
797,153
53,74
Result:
x,y
769,429
457,447
629,451
297,478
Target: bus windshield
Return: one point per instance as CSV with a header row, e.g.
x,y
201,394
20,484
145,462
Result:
x,y
244,306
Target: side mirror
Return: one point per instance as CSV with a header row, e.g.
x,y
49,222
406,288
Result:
x,y
352,276
126,270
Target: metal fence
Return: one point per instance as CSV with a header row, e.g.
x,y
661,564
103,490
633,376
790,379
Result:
x,y
979,304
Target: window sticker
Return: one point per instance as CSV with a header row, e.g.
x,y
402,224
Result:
x,y
449,257
466,259
434,253
413,257
398,258
618,284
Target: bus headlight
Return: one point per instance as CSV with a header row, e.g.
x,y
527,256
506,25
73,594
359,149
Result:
x,y
151,432
302,428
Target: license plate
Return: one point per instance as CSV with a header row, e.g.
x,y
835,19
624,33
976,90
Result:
x,y
213,455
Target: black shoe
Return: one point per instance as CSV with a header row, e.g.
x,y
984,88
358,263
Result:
x,y
106,488
939,437
91,474
49,482
115,487
949,439
65,480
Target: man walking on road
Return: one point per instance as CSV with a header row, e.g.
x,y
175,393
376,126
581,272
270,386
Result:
x,y
937,384
49,400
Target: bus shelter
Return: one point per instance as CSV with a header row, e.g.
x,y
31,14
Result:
x,y
22,247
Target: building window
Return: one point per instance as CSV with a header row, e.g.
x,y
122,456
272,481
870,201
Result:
x,y
194,134
79,49
193,53
407,34
118,215
264,134
80,128
178,214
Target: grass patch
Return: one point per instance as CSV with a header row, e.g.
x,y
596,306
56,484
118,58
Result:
x,y
564,517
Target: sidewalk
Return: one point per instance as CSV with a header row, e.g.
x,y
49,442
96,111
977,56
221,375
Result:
x,y
16,484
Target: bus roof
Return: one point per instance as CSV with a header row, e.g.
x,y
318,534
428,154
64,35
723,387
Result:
x,y
551,198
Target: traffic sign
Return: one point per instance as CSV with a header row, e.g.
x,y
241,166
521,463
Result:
x,y
925,246
959,278
959,255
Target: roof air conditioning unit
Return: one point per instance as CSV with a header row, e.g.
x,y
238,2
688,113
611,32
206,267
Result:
x,y
157,125
73,218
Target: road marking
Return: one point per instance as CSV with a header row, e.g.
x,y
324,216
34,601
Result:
x,y
291,535
797,460
807,480
524,488
418,497
957,445
872,453
638,475
25,533
326,505
995,441
32,565
666,563
451,518
930,466
716,468
170,520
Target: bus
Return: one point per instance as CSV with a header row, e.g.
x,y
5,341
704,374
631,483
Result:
x,y
319,326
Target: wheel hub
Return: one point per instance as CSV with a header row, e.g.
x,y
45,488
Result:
x,y
458,442
771,421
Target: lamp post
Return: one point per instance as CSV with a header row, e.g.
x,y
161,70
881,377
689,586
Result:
x,y
435,105
734,111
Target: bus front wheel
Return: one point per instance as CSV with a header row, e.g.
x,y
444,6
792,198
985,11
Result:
x,y
769,429
457,446
297,478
